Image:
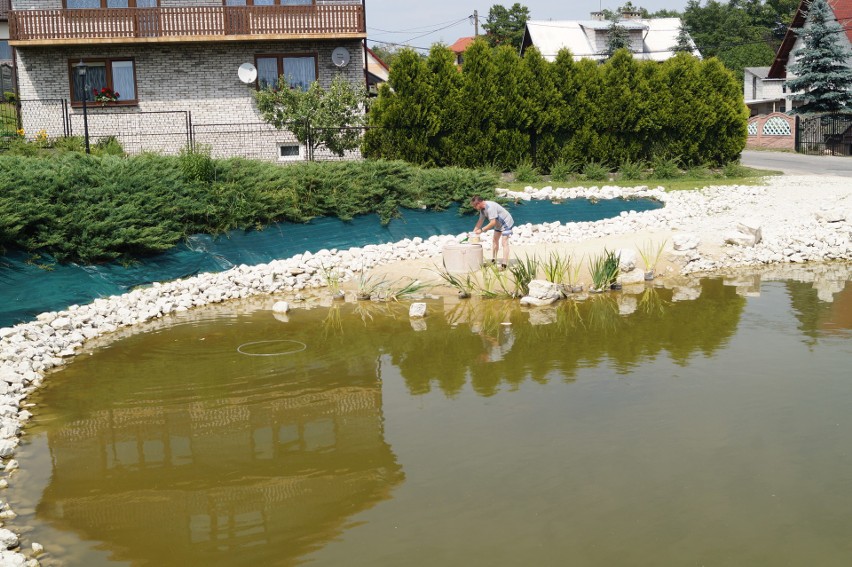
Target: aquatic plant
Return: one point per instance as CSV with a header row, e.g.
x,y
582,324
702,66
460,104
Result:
x,y
368,285
603,269
650,255
464,285
331,275
523,272
555,267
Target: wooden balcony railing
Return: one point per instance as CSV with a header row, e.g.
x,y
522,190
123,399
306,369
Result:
x,y
186,23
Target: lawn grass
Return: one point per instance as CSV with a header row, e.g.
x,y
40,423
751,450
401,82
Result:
x,y
744,176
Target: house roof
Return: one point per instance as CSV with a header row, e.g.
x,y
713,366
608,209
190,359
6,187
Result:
x,y
376,67
461,44
551,36
759,72
843,14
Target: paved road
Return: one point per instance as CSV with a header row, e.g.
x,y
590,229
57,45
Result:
x,y
798,164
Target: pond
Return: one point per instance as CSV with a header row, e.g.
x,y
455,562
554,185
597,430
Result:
x,y
627,429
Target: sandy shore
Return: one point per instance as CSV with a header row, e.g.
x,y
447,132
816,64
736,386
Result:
x,y
791,211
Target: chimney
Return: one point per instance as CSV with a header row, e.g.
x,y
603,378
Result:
x,y
599,16
631,15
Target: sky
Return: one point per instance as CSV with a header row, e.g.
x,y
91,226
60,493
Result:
x,y
419,24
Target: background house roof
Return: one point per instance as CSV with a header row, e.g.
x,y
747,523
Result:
x,y
461,44
842,12
550,36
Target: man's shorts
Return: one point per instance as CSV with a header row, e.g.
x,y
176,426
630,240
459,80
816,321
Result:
x,y
507,231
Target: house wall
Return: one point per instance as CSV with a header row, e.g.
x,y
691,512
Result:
x,y
776,131
196,77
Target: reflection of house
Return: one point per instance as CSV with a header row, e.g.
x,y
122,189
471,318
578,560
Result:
x,y
169,56
651,40
236,482
459,47
764,87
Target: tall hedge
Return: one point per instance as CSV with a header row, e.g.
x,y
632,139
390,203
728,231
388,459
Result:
x,y
502,109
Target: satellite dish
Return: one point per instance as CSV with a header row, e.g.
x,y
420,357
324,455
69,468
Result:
x,y
247,73
340,56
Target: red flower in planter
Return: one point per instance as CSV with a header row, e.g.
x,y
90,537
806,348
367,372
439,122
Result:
x,y
105,95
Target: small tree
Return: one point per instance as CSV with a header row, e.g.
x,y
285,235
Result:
x,y
618,38
683,44
317,117
822,75
506,26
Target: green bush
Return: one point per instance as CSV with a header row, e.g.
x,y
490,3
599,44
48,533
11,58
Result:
x,y
594,171
108,146
69,144
526,172
564,170
10,97
196,163
665,168
631,170
90,208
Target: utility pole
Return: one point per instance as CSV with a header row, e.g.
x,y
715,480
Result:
x,y
475,23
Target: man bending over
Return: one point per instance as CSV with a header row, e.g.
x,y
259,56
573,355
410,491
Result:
x,y
500,220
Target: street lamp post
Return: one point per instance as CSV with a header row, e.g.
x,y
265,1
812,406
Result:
x,y
82,68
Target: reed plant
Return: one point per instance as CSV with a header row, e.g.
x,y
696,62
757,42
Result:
x,y
332,277
603,269
555,267
464,284
523,272
650,254
368,284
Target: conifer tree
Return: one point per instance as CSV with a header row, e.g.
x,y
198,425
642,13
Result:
x,y
823,76
682,41
618,38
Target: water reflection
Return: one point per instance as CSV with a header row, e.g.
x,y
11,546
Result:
x,y
194,453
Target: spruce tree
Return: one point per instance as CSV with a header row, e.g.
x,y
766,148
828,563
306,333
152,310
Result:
x,y
682,41
822,73
618,38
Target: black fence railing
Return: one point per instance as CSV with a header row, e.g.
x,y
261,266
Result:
x,y
828,134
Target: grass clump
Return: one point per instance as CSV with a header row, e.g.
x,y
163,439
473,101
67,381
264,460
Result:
x,y
564,170
526,172
603,269
594,171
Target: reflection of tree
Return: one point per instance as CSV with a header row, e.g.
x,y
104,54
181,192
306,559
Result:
x,y
584,335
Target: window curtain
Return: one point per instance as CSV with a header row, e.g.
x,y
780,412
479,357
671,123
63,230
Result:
x,y
123,81
300,72
295,2
267,72
117,4
95,77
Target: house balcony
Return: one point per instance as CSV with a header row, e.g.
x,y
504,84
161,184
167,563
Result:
x,y
186,24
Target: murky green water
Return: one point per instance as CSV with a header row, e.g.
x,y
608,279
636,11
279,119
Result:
x,y
706,432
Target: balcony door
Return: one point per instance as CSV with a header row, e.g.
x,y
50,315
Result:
x,y
148,21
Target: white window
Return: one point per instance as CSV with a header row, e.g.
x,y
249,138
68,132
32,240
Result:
x,y
290,152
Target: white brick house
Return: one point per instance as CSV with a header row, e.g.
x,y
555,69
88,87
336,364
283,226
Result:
x,y
176,61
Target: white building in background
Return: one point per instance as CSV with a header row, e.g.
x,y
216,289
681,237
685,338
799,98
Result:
x,y
650,40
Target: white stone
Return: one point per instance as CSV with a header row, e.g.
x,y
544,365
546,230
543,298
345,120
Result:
x,y
417,310
752,227
281,307
626,259
543,289
740,239
8,538
685,241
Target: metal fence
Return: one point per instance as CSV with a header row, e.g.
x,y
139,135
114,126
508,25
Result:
x,y
168,132
827,134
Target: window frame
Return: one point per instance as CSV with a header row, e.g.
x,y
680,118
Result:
x,y
280,57
107,61
130,4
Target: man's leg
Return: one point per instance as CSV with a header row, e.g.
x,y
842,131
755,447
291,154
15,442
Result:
x,y
505,251
495,246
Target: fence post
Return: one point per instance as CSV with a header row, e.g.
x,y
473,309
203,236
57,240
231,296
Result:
x,y
310,142
797,136
190,139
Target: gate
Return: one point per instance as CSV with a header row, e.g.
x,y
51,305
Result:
x,y
829,134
